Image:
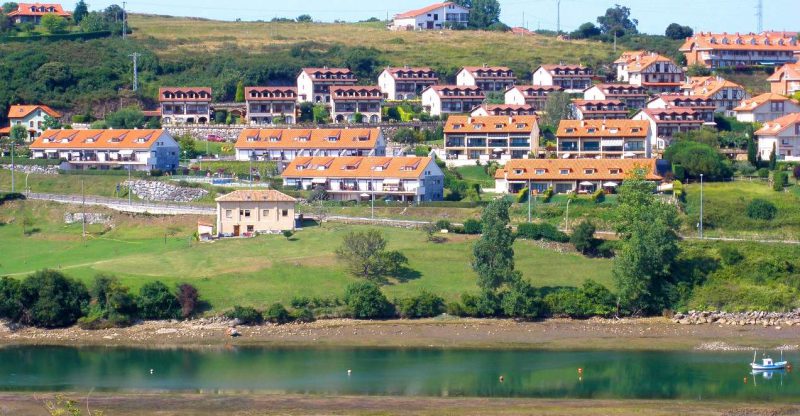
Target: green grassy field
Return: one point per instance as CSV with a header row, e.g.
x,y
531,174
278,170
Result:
x,y
253,271
476,174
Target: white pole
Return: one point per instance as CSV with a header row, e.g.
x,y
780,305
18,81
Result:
x,y
12,165
130,186
701,205
566,221
372,185
529,200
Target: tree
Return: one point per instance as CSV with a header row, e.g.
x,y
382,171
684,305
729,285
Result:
x,y
18,134
10,6
54,24
493,253
365,255
587,30
364,62
239,92
761,209
126,118
678,32
618,20
752,152
557,107
81,11
94,22
366,301
647,228
484,13
405,135
521,301
10,298
188,299
156,301
5,22
583,237
111,300
773,158
321,114
424,305
698,158
51,123
306,113
304,18
697,70
52,300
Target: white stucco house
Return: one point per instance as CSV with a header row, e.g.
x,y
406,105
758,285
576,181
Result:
x,y
434,17
782,135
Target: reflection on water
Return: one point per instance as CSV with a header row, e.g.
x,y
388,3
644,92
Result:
x,y
410,372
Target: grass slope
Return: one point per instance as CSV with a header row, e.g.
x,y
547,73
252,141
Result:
x,y
254,271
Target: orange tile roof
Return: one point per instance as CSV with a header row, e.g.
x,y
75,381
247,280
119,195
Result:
x,y
603,128
770,41
401,73
630,90
197,91
462,91
491,124
525,169
507,107
526,89
417,12
789,72
759,100
550,67
97,139
481,72
579,102
5,130
355,92
657,113
312,72
641,60
22,111
271,93
39,9
357,167
308,139
707,86
778,125
247,195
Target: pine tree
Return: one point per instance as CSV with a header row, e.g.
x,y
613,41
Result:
x,y
81,11
239,92
751,152
773,158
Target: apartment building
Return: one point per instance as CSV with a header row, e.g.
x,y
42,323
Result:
x,y
185,105
451,99
490,138
599,109
724,95
533,95
665,123
603,139
634,96
571,78
765,107
703,106
434,17
356,104
405,179
284,145
271,105
719,50
781,135
503,110
406,83
654,72
487,78
33,12
123,149
314,84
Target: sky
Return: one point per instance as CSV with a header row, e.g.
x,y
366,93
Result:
x,y
653,15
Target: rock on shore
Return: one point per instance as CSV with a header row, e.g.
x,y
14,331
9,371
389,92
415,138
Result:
x,y
771,319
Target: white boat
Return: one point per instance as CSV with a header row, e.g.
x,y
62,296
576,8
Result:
x,y
767,364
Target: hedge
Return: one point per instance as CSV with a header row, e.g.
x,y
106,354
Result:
x,y
6,160
60,36
111,172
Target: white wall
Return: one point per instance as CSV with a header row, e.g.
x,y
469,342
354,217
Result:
x,y
542,77
465,78
386,82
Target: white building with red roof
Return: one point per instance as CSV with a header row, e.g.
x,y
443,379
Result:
x,y
725,95
30,116
314,84
348,102
451,99
270,105
599,109
489,138
434,17
765,107
139,150
33,12
718,50
785,80
504,110
406,83
781,135
185,105
703,106
284,145
533,95
634,96
487,78
655,72
610,139
665,123
571,78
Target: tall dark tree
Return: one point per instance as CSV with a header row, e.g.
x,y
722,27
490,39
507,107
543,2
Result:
x,y
484,13
618,19
557,107
678,32
493,253
81,10
752,151
773,158
586,31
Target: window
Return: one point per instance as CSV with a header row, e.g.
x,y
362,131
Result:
x,y
588,171
228,213
284,213
250,228
265,213
540,171
564,171
615,171
519,171
247,213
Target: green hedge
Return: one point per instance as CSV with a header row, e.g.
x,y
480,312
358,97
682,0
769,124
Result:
x,y
134,173
30,162
61,36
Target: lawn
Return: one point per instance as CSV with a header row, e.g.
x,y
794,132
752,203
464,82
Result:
x,y
476,174
258,271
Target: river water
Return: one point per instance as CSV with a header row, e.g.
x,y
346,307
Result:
x,y
405,372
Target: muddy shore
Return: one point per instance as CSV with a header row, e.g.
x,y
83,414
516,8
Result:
x,y
649,334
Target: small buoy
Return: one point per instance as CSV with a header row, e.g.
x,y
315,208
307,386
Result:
x,y
580,371
151,371
349,372
745,380
502,379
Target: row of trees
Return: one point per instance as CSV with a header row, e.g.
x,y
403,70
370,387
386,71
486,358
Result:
x,y
49,299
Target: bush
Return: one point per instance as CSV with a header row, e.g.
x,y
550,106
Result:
x,y
10,299
763,173
299,302
679,172
522,301
443,225
533,231
303,315
246,315
188,298
698,158
583,237
366,301
745,168
472,226
277,314
156,301
52,300
730,256
548,195
424,305
522,196
779,181
599,196
760,209
487,304
591,299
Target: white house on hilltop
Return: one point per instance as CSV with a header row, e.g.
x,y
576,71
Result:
x,y
434,17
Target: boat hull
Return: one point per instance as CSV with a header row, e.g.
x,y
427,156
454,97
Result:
x,y
777,366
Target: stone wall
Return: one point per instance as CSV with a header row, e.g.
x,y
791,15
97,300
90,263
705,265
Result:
x,y
41,170
762,318
160,191
91,218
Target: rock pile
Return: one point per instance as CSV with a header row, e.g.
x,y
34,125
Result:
x,y
776,319
41,170
160,191
91,218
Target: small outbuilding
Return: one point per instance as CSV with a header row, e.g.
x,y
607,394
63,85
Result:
x,y
249,212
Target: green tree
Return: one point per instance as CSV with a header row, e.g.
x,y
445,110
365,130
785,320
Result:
x,y
304,18
484,13
10,299
647,228
583,237
156,301
94,22
52,300
366,301
698,158
81,11
521,301
364,253
618,19
557,107
54,24
18,134
405,135
112,300
752,152
126,118
773,158
51,123
239,92
678,32
587,30
493,253
321,114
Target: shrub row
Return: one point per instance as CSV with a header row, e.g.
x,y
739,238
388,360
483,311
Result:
x,y
6,160
58,36
541,231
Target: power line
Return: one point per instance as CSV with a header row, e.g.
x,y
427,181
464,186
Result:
x,y
760,15
135,57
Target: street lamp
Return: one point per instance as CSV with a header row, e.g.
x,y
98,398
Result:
x,y
701,205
